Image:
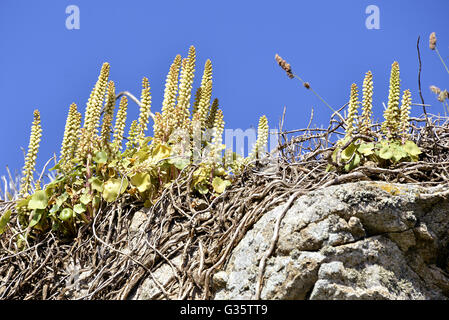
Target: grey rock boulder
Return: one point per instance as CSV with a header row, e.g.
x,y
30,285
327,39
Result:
x,y
363,240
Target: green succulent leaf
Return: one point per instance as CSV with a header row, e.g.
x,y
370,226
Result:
x,y
220,185
385,153
411,148
203,189
180,162
354,163
348,152
160,152
366,148
23,203
61,199
55,208
36,217
4,221
398,153
142,181
96,184
142,155
39,200
85,198
112,188
66,214
113,163
79,208
101,157
125,162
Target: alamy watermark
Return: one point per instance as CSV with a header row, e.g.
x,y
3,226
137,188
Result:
x,y
373,20
235,142
73,20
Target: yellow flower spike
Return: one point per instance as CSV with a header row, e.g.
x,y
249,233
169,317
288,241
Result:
x,y
108,114
262,139
171,85
207,73
405,114
145,108
158,130
30,160
74,143
196,117
168,120
197,101
133,135
120,123
211,117
203,106
93,109
391,114
352,111
207,76
70,136
367,103
185,86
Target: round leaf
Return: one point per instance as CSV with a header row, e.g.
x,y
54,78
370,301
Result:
x,y
180,162
79,208
354,163
61,199
112,188
36,216
39,200
366,148
66,214
202,188
411,148
4,220
96,184
100,157
348,152
398,153
142,181
160,152
85,198
219,184
385,153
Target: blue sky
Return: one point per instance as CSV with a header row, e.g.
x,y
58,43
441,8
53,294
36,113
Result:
x,y
44,65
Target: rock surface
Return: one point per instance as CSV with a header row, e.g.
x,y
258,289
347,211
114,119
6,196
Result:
x,y
364,240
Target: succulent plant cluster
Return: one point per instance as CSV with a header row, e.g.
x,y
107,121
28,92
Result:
x,y
93,171
361,144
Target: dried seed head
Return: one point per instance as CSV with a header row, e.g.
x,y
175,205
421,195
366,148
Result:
x,y
284,65
307,85
432,41
435,89
443,95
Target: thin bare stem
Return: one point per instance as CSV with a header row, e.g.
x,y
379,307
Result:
x,y
316,94
442,61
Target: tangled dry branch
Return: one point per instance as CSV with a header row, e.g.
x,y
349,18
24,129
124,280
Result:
x,y
110,257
